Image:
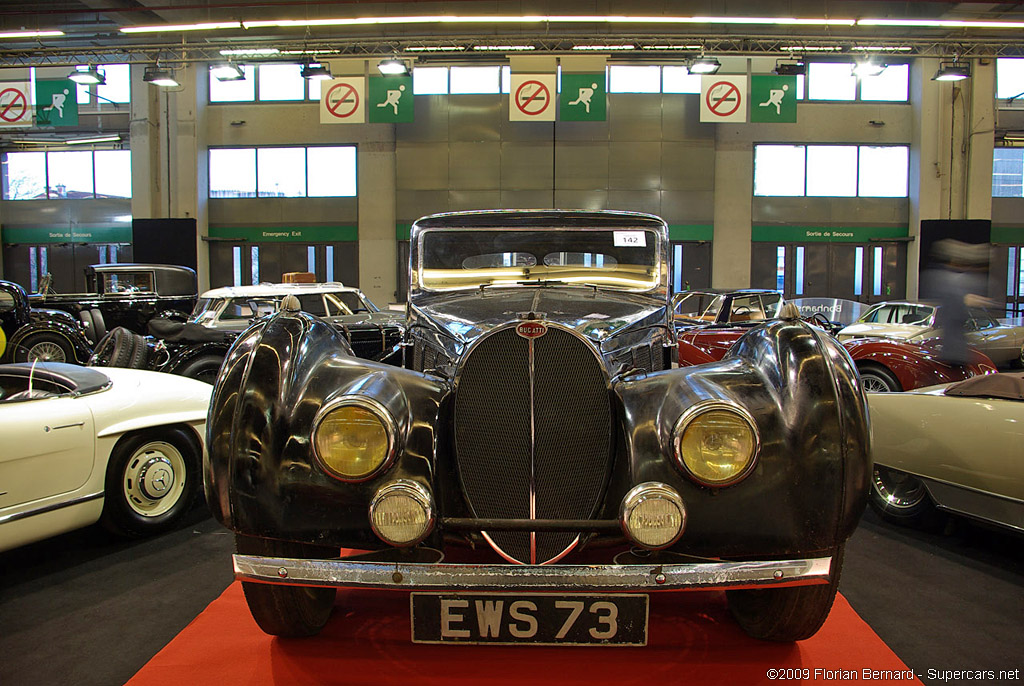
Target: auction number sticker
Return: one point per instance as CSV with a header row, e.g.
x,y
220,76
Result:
x,y
630,239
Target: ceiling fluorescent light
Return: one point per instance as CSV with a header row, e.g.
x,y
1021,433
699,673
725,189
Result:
x,y
943,23
249,52
227,72
436,48
868,68
703,65
671,47
504,48
95,139
90,76
393,66
543,19
952,71
160,77
31,34
315,71
790,69
164,28
625,46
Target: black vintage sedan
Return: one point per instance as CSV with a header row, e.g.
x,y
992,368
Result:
x,y
538,468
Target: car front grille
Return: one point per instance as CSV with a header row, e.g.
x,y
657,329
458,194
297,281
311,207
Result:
x,y
533,436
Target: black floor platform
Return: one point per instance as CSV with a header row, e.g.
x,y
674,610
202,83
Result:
x,y
84,608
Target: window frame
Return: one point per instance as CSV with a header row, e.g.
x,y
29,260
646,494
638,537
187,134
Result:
x,y
856,170
47,189
256,170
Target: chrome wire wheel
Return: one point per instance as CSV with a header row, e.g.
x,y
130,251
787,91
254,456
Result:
x,y
154,478
898,490
46,351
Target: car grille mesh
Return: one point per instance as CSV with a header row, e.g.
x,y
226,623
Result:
x,y
572,421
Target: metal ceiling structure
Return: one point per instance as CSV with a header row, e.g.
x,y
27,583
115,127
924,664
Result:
x,y
93,29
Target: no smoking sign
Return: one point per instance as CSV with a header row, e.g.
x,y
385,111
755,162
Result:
x,y
532,97
723,98
14,105
343,100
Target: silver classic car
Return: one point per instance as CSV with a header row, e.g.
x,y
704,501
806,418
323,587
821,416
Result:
x,y
538,467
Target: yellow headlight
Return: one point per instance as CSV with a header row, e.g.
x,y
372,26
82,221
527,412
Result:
x,y
354,439
716,443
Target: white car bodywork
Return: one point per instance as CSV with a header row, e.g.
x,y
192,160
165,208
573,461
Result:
x,y
53,465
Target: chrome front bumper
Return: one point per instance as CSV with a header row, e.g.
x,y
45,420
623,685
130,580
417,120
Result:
x,y
443,576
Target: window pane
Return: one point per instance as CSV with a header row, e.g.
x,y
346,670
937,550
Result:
x,y
430,80
113,173
233,173
243,90
1007,172
892,84
281,172
831,81
798,285
70,174
506,79
780,268
832,170
281,82
118,85
884,171
332,171
679,80
779,170
1009,77
858,271
24,175
474,80
623,79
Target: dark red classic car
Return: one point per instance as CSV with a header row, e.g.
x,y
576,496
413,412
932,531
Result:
x,y
885,365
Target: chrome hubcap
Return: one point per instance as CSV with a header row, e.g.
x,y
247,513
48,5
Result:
x,y
154,478
899,490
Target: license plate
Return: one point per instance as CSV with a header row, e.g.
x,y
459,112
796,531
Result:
x,y
541,619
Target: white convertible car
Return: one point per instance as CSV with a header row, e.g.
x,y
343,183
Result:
x,y
82,445
953,448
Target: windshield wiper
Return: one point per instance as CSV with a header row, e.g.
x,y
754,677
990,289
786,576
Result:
x,y
543,282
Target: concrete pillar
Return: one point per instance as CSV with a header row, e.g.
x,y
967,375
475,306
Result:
x,y
734,188
148,131
378,248
927,169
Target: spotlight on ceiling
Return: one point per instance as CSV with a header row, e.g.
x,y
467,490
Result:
x,y
952,71
393,66
315,70
796,68
90,76
158,76
703,65
227,71
868,67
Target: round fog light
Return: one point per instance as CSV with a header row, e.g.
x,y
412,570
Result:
x,y
401,513
653,515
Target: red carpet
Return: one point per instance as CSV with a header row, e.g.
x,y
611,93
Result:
x,y
692,640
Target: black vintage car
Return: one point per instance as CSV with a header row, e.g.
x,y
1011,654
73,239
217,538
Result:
x,y
30,333
538,445
120,295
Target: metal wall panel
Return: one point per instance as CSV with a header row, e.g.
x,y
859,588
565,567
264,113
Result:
x,y
431,121
524,131
283,211
801,211
688,166
680,119
525,200
475,117
585,131
830,211
1007,211
66,214
475,165
634,117
635,201
581,166
527,166
688,207
581,200
870,210
421,166
474,200
410,205
634,165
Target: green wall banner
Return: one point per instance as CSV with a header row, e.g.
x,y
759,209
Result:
x,y
772,99
1014,235
286,234
583,98
390,99
79,234
56,102
691,232
771,233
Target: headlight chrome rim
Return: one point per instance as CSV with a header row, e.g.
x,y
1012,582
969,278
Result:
x,y
409,489
387,420
647,491
696,411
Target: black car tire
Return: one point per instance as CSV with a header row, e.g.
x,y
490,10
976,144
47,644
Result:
x,y
901,498
288,611
44,347
153,477
786,614
122,348
203,368
877,379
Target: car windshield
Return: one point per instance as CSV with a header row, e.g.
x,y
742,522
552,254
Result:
x,y
128,282
898,313
699,306
623,259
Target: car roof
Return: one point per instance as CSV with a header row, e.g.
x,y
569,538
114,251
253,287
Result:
x,y
274,289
